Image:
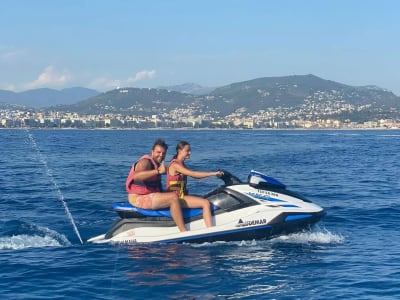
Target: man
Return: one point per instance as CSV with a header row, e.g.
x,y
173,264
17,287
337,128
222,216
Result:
x,y
144,184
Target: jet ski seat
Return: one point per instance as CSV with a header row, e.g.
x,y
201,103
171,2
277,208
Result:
x,y
125,207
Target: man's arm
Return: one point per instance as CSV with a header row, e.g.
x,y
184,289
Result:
x,y
144,170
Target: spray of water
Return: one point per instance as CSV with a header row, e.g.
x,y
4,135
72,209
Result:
x,y
54,183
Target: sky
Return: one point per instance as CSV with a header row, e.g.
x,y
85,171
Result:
x,y
106,44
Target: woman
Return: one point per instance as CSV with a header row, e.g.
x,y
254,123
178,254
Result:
x,y
177,179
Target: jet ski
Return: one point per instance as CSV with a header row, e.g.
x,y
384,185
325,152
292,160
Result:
x,y
261,208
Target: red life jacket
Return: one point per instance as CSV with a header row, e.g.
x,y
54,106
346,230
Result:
x,y
143,187
177,183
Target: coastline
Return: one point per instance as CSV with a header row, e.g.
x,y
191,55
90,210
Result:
x,y
202,129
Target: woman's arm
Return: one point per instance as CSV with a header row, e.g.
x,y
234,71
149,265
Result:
x,y
195,174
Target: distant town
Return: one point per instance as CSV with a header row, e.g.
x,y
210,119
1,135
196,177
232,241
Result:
x,y
182,119
291,102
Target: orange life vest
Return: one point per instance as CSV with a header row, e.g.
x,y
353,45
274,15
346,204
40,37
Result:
x,y
143,187
177,183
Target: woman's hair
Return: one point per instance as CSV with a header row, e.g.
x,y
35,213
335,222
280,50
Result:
x,y
180,146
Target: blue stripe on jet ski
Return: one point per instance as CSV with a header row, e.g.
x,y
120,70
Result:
x,y
261,197
178,240
297,217
275,200
267,198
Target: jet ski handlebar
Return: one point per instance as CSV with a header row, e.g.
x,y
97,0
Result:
x,y
229,179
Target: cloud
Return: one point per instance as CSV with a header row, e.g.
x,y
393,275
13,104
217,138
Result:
x,y
8,87
10,54
50,77
104,84
142,75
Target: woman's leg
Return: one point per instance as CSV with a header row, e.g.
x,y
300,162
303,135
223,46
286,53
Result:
x,y
171,200
197,202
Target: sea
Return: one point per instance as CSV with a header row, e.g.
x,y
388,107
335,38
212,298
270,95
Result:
x,y
56,188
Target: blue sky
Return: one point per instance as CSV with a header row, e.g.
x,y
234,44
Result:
x,y
127,43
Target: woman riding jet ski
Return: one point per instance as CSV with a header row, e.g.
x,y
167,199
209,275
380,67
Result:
x,y
261,208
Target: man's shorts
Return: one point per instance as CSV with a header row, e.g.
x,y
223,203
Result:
x,y
143,201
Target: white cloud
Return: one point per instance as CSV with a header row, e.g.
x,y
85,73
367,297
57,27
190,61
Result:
x,y
102,84
141,76
49,77
10,54
8,87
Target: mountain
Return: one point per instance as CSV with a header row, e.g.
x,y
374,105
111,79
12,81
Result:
x,y
273,91
189,88
44,97
7,97
300,96
292,91
146,101
284,98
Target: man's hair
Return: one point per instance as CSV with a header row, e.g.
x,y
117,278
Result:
x,y
161,143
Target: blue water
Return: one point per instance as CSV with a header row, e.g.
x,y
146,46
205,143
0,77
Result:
x,y
56,188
